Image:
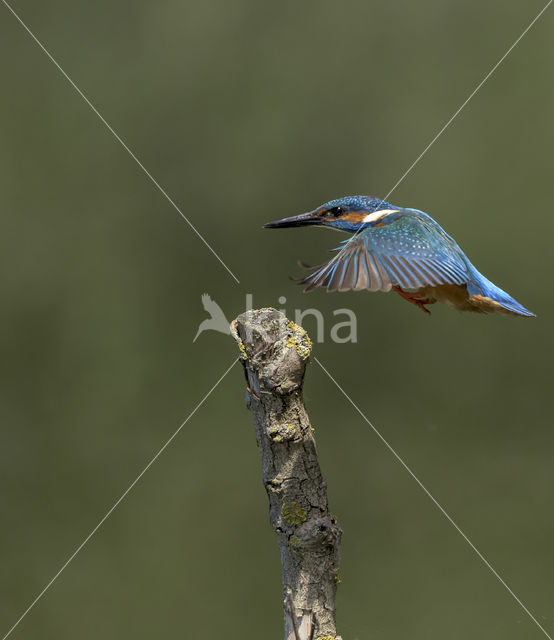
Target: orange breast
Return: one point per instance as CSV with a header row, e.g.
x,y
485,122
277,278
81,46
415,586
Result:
x,y
457,297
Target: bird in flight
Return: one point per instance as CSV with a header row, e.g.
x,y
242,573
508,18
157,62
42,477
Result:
x,y
403,250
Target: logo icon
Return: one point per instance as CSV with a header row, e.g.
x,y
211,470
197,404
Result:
x,y
217,320
341,332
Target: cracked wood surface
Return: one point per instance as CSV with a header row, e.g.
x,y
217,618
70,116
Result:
x,y
274,353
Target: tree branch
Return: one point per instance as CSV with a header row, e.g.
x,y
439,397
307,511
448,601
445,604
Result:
x,y
274,353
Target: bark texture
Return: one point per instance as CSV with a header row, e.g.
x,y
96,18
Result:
x,y
274,353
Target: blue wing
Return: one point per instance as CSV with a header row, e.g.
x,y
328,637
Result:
x,y
406,248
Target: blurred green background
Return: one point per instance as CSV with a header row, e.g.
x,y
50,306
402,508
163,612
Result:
x,y
246,112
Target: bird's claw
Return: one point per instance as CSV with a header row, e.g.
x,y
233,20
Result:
x,y
415,299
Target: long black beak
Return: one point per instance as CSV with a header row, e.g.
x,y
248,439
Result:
x,y
303,220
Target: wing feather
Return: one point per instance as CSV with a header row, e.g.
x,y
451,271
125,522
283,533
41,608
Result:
x,y
362,281
432,275
409,250
392,268
376,281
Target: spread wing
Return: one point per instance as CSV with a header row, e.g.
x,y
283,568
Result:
x,y
406,248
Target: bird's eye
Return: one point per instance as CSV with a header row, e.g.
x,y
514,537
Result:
x,y
336,211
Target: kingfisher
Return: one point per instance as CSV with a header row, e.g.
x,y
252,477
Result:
x,y
399,249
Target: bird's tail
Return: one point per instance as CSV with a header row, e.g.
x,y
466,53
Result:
x,y
481,287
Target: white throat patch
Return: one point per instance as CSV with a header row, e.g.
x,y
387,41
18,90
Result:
x,y
379,215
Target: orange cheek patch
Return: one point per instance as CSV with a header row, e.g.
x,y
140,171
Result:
x,y
355,216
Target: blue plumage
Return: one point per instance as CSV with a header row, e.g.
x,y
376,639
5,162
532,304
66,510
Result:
x,y
401,249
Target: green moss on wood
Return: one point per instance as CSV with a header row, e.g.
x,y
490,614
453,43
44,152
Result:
x,y
293,514
242,349
282,433
299,340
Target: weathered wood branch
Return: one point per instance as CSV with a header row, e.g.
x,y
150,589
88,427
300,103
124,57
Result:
x,y
274,352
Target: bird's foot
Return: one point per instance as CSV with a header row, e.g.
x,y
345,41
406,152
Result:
x,y
414,298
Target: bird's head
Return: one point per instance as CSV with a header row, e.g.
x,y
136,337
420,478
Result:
x,y
350,213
